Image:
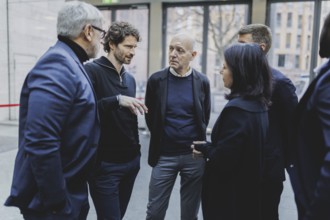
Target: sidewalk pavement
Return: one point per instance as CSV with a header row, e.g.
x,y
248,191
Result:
x,y
137,206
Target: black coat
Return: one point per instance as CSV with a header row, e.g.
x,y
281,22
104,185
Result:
x,y
155,99
234,165
310,175
278,150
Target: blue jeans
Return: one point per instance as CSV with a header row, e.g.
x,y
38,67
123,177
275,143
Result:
x,y
162,180
111,188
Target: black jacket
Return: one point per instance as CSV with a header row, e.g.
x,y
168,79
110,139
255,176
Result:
x,y
310,176
156,96
278,150
234,168
119,140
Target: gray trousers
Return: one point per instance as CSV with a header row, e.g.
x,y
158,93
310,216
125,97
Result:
x,y
162,180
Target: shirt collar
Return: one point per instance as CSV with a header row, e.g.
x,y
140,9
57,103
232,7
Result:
x,y
178,75
77,49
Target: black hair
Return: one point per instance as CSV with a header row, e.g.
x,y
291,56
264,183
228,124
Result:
x,y
250,71
117,33
324,50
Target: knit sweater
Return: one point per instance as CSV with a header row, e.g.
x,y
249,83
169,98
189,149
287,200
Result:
x,y
119,140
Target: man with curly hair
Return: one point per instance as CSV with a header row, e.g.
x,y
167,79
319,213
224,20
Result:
x,y
118,160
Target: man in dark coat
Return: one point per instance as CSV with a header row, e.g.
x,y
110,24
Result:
x,y
284,101
58,124
311,179
178,101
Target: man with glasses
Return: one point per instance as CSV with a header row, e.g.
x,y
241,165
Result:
x,y
118,161
103,32
58,123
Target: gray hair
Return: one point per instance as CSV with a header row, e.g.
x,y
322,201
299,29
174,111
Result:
x,y
74,16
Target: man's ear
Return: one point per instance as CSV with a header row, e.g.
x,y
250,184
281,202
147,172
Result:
x,y
112,46
194,53
263,46
88,32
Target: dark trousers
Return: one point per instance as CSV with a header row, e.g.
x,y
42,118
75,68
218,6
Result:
x,y
271,196
163,177
111,188
60,215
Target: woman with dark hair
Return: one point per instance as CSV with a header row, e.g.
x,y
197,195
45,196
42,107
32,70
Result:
x,y
233,173
311,179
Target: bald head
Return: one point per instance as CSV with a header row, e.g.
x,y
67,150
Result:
x,y
186,39
181,53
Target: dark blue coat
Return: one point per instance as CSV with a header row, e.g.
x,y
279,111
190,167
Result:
x,y
278,150
311,179
58,135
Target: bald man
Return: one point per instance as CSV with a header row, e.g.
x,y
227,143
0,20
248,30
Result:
x,y
178,99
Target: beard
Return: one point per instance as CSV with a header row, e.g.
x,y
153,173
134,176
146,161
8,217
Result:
x,y
93,50
121,58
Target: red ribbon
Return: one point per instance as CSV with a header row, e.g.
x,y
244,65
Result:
x,y
8,105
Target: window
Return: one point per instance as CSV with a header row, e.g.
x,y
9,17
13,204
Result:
x,y
289,21
281,60
297,61
214,26
300,21
308,43
277,40
288,40
278,19
298,41
296,34
310,20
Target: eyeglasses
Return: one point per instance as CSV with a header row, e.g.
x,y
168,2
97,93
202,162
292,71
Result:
x,y
103,33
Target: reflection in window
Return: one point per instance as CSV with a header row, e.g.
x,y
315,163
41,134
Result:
x,y
288,40
297,61
278,19
308,42
310,20
300,21
277,40
296,41
289,21
281,60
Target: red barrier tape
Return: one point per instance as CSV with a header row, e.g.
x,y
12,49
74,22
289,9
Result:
x,y
9,105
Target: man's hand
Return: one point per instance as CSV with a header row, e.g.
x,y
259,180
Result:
x,y
133,104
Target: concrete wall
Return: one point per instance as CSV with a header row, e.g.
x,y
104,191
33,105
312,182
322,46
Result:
x,y
4,99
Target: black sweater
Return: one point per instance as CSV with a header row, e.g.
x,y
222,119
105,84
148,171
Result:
x,y
119,141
